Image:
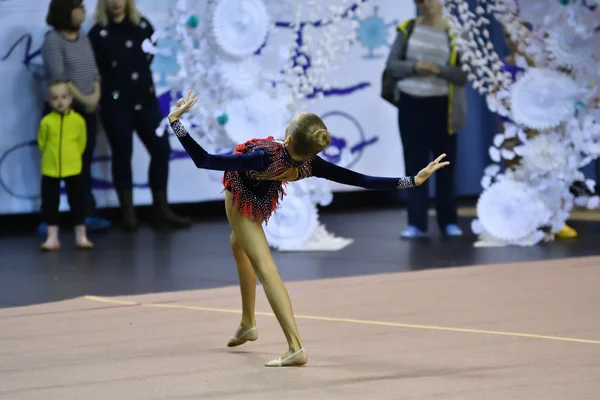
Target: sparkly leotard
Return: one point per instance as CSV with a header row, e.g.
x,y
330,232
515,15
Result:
x,y
258,192
257,171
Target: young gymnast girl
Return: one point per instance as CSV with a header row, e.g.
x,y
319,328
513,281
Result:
x,y
253,184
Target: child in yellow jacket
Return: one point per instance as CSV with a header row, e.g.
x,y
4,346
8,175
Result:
x,y
62,138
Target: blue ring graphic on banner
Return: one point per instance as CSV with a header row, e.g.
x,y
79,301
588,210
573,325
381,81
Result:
x,y
341,143
3,184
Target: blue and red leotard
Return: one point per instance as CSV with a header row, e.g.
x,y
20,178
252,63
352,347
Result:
x,y
257,171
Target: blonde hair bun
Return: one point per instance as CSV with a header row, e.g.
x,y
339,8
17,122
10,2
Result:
x,y
308,133
322,137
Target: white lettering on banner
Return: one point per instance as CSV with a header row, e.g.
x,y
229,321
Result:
x,y
364,127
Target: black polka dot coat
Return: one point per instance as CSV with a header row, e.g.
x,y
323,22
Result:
x,y
126,78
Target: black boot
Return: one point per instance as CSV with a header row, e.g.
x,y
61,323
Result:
x,y
164,215
129,221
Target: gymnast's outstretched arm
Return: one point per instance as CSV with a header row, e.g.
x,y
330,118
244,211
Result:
x,y
228,162
335,173
256,160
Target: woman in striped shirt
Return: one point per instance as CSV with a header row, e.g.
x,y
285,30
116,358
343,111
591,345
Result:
x,y
430,95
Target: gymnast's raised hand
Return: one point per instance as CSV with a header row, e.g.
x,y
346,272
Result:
x,y
433,166
182,106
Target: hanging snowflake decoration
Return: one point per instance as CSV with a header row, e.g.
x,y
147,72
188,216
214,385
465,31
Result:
x,y
570,49
531,11
255,113
295,223
543,98
240,78
584,135
546,153
240,27
512,211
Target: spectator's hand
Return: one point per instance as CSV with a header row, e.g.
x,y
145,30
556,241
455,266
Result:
x,y
433,166
182,106
95,97
426,68
91,103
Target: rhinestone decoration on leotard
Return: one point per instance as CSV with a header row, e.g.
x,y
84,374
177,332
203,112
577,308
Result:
x,y
178,128
256,193
406,182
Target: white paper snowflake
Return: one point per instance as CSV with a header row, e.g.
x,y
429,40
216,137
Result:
x,y
242,78
294,222
255,116
546,153
512,211
543,98
240,27
570,49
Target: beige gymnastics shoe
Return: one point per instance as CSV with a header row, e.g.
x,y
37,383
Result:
x,y
294,360
238,339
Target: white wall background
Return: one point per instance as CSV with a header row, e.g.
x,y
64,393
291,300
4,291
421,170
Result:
x,y
361,115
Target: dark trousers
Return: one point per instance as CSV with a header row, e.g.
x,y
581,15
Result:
x,y
51,198
423,126
119,126
91,121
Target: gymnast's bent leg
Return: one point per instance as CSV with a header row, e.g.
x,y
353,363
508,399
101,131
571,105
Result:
x,y
251,238
247,329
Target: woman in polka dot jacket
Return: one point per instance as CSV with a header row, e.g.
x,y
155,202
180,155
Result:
x,y
129,103
253,182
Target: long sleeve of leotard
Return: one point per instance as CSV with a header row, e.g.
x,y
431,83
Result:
x,y
256,160
335,173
